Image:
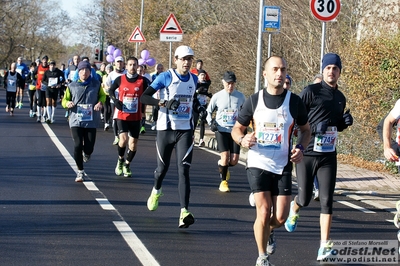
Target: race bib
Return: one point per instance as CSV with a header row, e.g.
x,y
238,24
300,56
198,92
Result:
x,y
202,99
184,110
326,142
228,117
130,104
269,137
85,112
53,82
12,85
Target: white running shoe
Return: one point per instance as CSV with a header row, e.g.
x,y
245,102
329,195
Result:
x,y
80,176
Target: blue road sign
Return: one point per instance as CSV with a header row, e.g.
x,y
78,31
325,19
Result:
x,y
272,19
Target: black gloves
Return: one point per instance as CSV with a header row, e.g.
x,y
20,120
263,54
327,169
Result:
x,y
118,104
214,126
347,118
202,113
172,104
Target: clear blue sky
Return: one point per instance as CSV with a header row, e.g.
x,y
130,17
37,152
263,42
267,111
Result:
x,y
71,6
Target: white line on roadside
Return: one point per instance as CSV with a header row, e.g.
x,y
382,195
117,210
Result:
x,y
140,251
351,205
135,244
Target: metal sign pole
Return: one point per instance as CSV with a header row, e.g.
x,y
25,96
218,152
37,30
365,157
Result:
x,y
170,54
269,44
259,47
322,45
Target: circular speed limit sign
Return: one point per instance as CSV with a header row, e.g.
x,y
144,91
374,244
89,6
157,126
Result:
x,y
325,10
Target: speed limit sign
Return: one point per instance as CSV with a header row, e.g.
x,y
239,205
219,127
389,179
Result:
x,y
325,10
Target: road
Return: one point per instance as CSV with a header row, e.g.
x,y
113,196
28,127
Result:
x,y
48,219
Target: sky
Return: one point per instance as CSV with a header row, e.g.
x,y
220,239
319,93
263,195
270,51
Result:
x,y
70,6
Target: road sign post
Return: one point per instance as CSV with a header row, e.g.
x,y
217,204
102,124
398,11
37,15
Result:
x,y
324,10
272,23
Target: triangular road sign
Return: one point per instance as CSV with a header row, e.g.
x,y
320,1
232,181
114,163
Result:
x,y
171,26
137,36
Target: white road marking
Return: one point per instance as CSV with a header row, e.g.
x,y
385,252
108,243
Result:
x,y
135,244
351,205
140,251
105,204
90,186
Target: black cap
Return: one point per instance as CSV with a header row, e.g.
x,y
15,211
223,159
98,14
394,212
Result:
x,y
200,71
199,61
45,57
229,76
52,62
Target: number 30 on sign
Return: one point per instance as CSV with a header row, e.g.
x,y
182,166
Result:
x,y
325,10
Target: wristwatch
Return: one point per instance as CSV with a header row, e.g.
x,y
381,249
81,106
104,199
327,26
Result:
x,y
240,140
162,102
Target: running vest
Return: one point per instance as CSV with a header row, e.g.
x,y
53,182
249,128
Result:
x,y
72,69
181,119
40,73
85,97
12,82
273,129
129,95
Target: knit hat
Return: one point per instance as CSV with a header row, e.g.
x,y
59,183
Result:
x,y
289,78
83,64
331,59
200,71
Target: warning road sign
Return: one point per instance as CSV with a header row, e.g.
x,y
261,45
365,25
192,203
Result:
x,y
137,36
171,26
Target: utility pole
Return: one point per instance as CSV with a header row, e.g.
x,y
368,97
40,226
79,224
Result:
x,y
101,54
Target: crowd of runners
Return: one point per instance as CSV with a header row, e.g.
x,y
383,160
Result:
x,y
278,128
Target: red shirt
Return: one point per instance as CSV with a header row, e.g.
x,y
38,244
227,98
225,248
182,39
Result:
x,y
40,73
129,94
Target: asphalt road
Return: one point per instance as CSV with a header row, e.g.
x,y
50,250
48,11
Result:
x,y
48,219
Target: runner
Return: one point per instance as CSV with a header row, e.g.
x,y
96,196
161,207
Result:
x,y
159,68
53,80
141,70
227,104
31,81
23,70
107,105
199,66
273,112
118,71
175,127
84,98
41,90
12,82
128,113
325,105
202,93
